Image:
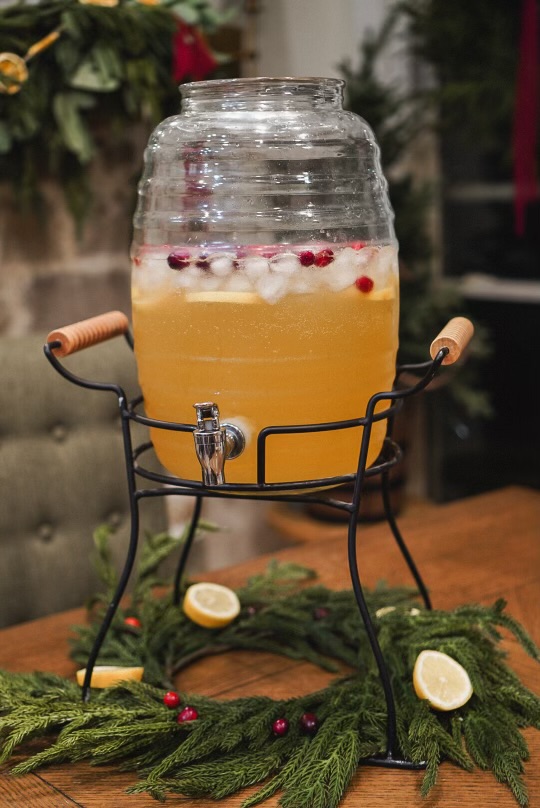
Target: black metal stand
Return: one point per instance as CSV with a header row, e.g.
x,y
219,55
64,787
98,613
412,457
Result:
x,y
290,491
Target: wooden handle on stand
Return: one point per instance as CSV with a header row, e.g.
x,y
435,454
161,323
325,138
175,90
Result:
x,y
81,335
455,336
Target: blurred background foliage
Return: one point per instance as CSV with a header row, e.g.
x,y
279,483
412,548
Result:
x,y
440,37
116,63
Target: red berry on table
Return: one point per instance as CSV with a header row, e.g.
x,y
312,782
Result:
x,y
306,258
309,723
171,699
179,259
320,613
187,714
133,622
323,258
280,727
364,283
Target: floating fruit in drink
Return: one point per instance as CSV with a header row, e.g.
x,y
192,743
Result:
x,y
273,341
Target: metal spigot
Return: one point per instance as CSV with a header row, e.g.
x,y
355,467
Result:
x,y
215,443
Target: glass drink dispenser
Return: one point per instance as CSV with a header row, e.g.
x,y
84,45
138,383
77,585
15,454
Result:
x,y
265,274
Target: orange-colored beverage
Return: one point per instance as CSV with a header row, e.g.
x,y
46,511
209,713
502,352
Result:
x,y
273,341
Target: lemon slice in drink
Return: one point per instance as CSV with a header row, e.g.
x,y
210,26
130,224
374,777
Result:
x,y
441,680
221,296
109,675
211,605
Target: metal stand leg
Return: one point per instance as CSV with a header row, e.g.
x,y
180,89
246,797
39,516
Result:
x,y
390,518
360,600
186,549
113,605
389,760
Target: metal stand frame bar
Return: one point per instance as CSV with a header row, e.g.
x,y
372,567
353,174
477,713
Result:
x,y
296,491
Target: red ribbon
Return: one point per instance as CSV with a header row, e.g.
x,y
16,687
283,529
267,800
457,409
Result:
x,y
525,132
192,58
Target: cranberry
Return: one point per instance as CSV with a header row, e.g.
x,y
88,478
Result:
x,y
323,258
133,622
364,283
320,613
202,262
179,259
171,699
306,258
187,714
280,727
358,245
309,723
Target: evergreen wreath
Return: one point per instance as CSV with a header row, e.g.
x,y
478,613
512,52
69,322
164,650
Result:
x,y
306,748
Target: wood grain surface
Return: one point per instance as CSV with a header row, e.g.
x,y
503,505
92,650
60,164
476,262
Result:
x,y
474,550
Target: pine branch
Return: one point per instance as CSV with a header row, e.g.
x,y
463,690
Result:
x,y
231,744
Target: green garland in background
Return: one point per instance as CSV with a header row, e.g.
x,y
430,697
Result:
x,y
398,115
306,749
110,67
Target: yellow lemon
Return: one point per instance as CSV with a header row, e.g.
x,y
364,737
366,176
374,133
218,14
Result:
x,y
441,680
211,605
384,610
109,675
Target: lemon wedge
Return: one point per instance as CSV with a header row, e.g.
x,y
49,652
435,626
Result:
x,y
384,610
222,296
441,680
211,605
109,675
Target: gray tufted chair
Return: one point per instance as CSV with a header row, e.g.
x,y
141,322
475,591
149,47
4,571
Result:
x,y
61,475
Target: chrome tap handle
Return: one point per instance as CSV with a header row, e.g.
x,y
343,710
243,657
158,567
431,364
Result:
x,y
214,443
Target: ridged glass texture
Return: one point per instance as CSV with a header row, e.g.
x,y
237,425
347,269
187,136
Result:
x,y
265,273
262,161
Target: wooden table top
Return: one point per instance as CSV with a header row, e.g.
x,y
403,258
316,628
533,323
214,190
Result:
x,y
474,550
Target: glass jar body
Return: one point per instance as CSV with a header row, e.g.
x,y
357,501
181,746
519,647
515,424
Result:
x,y
265,274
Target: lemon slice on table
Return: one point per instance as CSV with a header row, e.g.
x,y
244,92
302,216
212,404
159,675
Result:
x,y
441,680
211,605
109,675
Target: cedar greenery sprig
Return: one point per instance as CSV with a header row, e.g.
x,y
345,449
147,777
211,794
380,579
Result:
x,y
231,745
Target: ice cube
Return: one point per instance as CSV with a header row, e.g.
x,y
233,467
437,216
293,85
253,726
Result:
x,y
222,265
341,277
363,257
188,278
303,283
209,282
152,273
272,287
383,267
255,267
343,271
237,282
285,264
